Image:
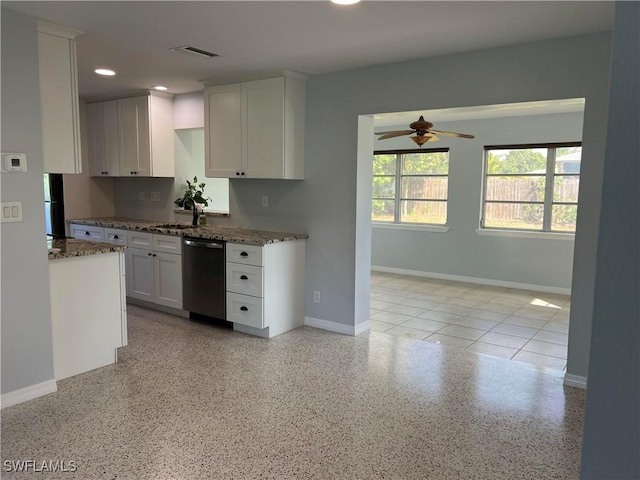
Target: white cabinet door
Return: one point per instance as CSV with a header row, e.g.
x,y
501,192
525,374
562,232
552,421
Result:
x,y
96,136
59,102
104,145
223,131
133,124
263,128
168,279
140,278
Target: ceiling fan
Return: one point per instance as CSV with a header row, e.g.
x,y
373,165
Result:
x,y
423,133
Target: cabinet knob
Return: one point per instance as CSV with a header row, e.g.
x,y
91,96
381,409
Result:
x,y
244,254
237,173
242,173
244,309
149,254
106,173
116,237
243,277
87,234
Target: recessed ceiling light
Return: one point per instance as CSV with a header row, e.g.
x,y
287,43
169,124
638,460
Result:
x,y
345,2
160,87
105,72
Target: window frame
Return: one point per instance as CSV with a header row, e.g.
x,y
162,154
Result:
x,y
397,198
549,176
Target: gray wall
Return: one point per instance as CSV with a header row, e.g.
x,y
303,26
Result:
x,y
27,353
324,204
461,251
612,424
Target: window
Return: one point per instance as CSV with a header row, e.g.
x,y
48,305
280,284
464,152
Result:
x,y
410,186
532,187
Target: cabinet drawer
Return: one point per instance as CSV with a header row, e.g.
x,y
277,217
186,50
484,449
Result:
x,y
245,310
113,235
244,279
87,232
140,240
167,244
246,254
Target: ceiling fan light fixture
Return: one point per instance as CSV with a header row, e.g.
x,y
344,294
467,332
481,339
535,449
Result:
x,y
421,140
345,2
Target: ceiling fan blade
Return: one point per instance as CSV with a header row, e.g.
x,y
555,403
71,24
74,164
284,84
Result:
x,y
397,133
451,134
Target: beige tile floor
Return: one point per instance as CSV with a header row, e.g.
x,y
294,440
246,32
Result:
x,y
518,325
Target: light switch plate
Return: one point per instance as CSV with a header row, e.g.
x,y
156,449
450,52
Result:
x,y
11,212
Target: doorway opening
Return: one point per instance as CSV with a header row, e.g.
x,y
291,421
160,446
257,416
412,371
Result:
x,y
493,274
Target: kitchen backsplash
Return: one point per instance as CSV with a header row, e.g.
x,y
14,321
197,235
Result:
x,y
148,198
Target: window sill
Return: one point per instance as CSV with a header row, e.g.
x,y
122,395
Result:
x,y
405,226
523,234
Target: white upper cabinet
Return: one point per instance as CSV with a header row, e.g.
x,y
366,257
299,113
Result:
x,y
255,129
59,99
131,137
104,147
223,131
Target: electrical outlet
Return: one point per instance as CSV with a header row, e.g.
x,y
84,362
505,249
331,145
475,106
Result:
x,y
155,196
316,296
141,196
265,201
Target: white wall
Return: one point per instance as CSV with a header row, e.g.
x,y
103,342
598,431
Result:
x,y
27,352
461,251
324,204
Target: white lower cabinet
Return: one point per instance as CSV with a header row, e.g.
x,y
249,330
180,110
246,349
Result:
x,y
87,232
153,275
265,287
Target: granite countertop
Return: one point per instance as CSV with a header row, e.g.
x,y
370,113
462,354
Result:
x,y
73,247
227,234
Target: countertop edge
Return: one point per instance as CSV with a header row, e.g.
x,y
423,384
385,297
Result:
x,y
227,234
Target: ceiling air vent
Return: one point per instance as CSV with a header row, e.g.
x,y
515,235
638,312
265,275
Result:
x,y
194,51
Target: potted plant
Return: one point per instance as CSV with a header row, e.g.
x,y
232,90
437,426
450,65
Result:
x,y
193,198
194,194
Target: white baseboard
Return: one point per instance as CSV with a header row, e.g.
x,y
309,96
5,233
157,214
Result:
x,y
477,280
337,327
572,380
28,393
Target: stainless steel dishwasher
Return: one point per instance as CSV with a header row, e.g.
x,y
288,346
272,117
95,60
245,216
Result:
x,y
203,277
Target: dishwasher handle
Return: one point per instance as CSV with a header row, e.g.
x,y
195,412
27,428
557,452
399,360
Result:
x,y
195,243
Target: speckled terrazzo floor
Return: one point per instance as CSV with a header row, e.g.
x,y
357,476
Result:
x,y
188,401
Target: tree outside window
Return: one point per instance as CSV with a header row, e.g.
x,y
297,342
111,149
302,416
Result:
x,y
532,187
410,186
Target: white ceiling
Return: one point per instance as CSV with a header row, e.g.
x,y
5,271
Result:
x,y
310,37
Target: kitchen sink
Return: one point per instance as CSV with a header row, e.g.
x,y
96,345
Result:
x,y
177,226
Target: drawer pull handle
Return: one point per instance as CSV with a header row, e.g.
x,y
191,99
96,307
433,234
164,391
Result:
x,y
149,254
87,234
116,237
244,309
244,254
244,277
